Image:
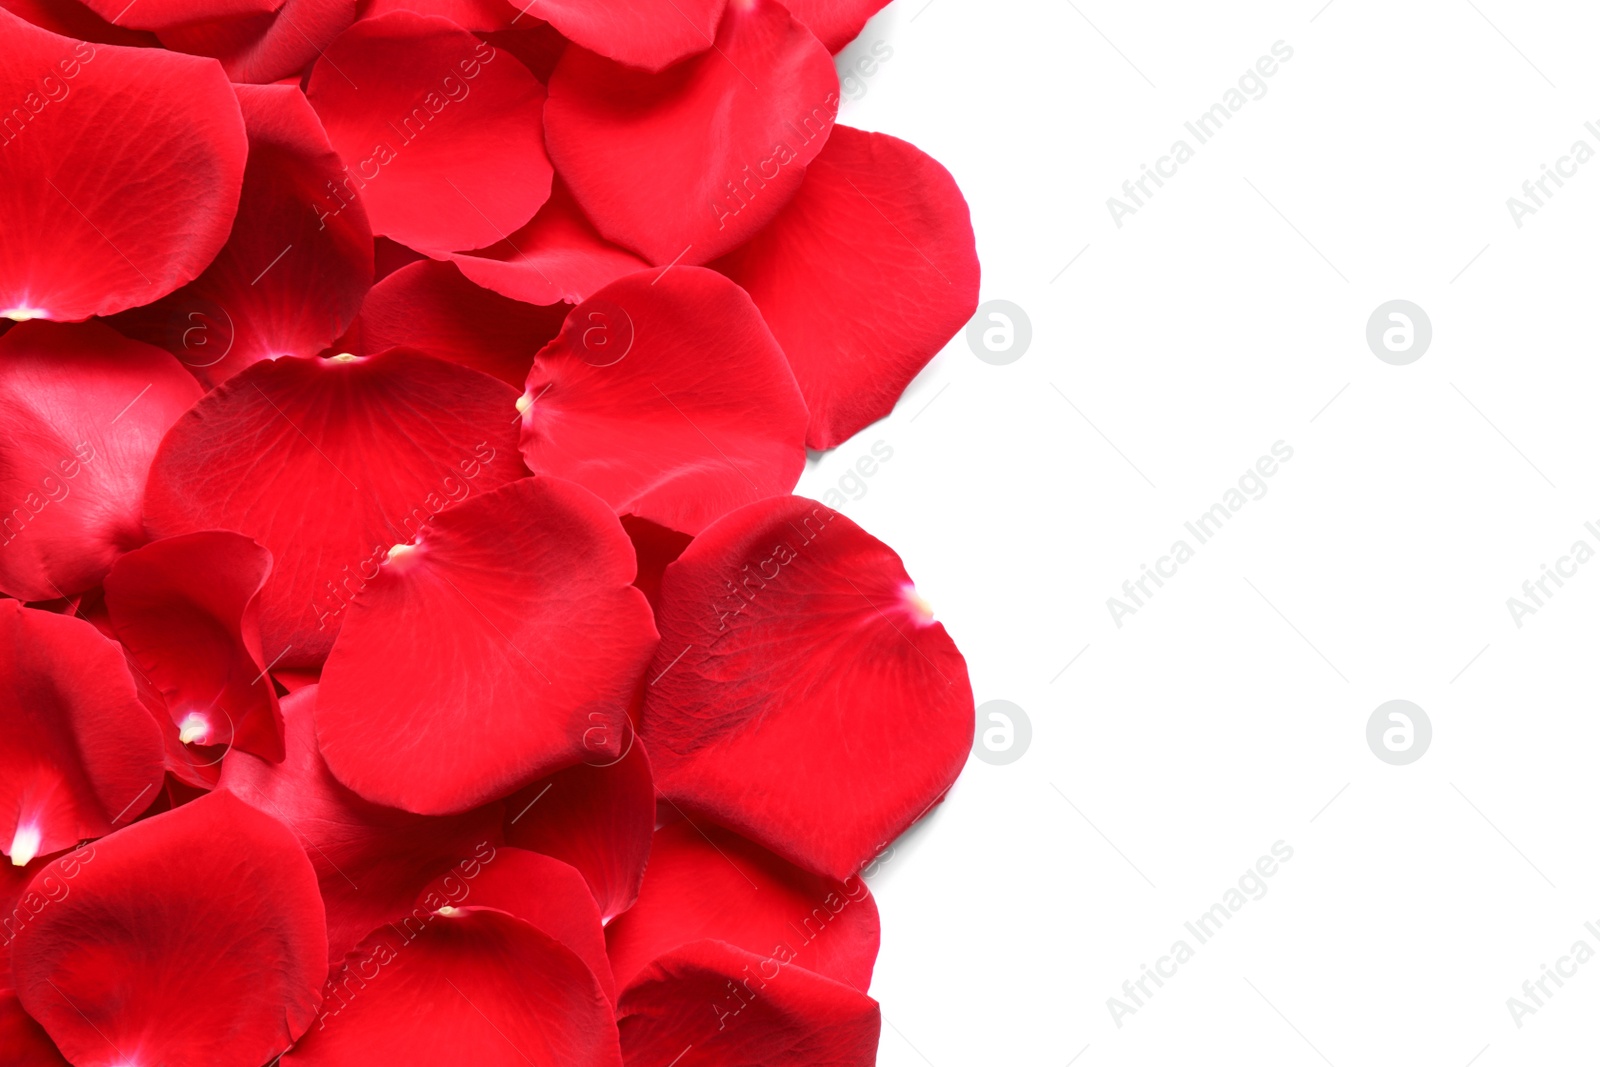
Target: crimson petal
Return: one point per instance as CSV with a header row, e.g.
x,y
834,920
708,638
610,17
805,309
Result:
x,y
442,131
120,184
665,394
266,48
70,18
723,152
502,646
598,818
705,882
476,987
863,277
835,22
371,861
193,939
477,15
651,34
430,307
161,14
23,1042
79,753
293,273
186,609
792,639
326,463
82,410
762,1011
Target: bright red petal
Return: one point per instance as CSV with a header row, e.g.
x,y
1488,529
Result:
x,y
705,882
293,273
539,890
430,307
477,15
835,22
186,609
371,861
597,817
863,277
558,257
192,939
161,14
666,395
760,1011
477,987
122,169
803,695
442,131
82,410
23,1042
685,165
79,754
70,18
640,33
326,463
524,594
266,48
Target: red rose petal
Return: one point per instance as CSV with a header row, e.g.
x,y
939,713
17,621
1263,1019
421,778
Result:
x,y
802,694
121,185
537,45
863,277
193,939
654,546
835,22
477,15
293,273
525,592
326,463
478,987
558,257
266,48
186,609
161,14
82,410
761,1011
539,890
79,754
70,18
685,165
430,307
442,131
640,33
597,817
371,861
666,395
23,1042
705,882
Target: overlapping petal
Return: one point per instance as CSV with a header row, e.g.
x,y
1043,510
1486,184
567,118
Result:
x,y
806,698
266,48
651,34
23,1042
162,14
835,22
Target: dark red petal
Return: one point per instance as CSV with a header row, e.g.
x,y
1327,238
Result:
x,y
685,165
539,890
709,1004
705,882
161,14
640,33
293,273
802,693
430,307
537,45
835,22
523,591
326,463
70,18
389,256
82,410
123,168
666,395
654,546
186,609
477,987
557,257
863,277
371,861
598,818
442,131
266,48
193,939
79,754
477,15
23,1042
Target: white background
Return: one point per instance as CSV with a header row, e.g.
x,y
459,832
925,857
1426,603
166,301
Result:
x,y
1230,712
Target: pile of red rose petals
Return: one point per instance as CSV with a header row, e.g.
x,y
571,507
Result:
x,y
410,650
